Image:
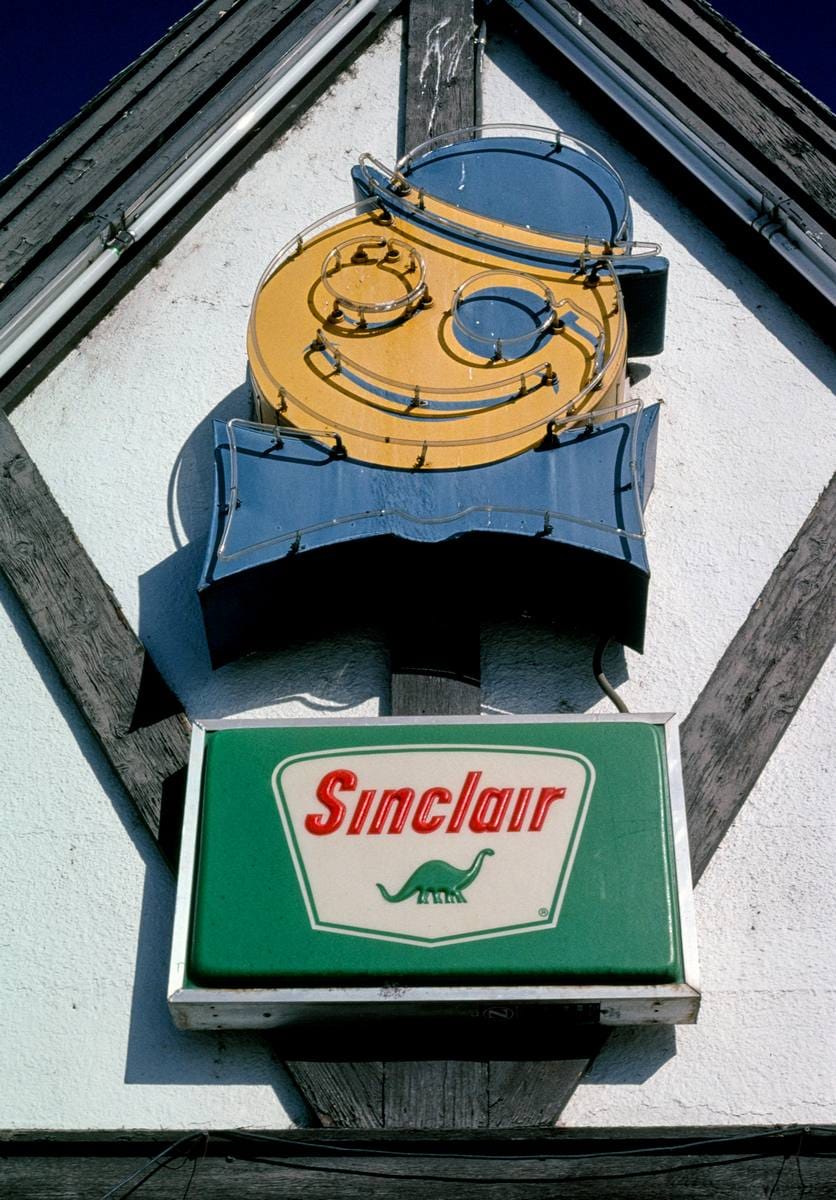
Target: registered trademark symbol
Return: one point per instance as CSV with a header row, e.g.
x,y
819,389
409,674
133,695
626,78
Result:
x,y
543,912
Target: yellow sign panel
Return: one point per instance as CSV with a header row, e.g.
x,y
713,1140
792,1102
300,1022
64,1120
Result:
x,y
420,351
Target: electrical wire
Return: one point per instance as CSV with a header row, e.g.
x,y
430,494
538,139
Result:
x,y
161,1160
652,1148
492,1180
157,1163
601,679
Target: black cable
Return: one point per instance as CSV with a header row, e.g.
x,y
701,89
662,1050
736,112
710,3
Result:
x,y
601,679
157,1163
425,1177
653,1148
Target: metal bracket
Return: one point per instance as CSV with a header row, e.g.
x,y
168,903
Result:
x,y
116,234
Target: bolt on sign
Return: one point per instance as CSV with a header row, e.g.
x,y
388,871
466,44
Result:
x,y
401,866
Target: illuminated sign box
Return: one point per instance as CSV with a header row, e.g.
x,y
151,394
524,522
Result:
x,y
333,869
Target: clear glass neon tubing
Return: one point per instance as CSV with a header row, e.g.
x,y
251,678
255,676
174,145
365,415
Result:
x,y
333,263
556,136
633,249
394,385
568,406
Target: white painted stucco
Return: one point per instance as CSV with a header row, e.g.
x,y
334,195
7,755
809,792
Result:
x,y
120,432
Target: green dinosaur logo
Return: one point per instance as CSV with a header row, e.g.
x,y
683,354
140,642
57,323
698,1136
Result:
x,y
439,879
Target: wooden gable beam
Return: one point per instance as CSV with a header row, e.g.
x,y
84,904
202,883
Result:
x,y
758,685
436,670
100,660
752,153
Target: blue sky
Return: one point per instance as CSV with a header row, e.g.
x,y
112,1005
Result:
x,y
56,55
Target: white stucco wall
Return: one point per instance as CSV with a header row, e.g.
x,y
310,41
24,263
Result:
x,y
745,447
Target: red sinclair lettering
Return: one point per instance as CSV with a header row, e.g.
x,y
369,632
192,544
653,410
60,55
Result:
x,y
487,819
485,812
424,821
520,809
361,811
316,822
463,801
402,799
546,799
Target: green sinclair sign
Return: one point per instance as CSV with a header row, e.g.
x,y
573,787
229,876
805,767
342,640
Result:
x,y
395,864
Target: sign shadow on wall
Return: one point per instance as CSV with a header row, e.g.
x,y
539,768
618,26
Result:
x,y
171,625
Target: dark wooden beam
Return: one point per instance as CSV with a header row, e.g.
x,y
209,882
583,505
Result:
x,y
342,1094
98,656
758,685
441,70
435,667
124,91
435,664
664,1164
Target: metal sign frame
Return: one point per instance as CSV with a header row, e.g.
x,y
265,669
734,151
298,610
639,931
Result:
x,y
266,1008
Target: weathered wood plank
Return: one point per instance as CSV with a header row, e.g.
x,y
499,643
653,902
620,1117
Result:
x,y
612,1138
167,103
758,685
97,654
708,87
436,1095
532,1094
751,65
417,695
220,1167
347,1095
441,85
435,667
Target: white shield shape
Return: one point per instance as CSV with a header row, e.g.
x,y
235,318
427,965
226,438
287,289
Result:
x,y
433,844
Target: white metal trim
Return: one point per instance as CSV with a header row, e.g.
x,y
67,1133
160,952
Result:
x,y
188,850
682,857
488,719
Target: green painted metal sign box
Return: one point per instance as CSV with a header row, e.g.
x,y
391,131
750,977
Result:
x,y
332,869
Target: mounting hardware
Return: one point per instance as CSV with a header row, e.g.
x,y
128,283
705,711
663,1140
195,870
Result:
x,y
548,528
552,440
116,234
